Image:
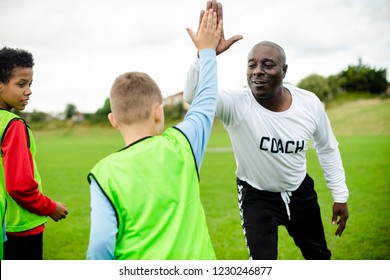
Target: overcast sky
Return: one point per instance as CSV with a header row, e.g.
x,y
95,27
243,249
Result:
x,y
81,46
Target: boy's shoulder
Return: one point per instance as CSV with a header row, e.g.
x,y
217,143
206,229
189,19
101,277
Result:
x,y
6,117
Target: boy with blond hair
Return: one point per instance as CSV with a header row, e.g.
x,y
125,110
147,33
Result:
x,y
145,201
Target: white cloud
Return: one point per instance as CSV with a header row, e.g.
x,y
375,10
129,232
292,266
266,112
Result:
x,y
81,46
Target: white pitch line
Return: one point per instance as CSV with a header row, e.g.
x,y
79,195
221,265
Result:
x,y
219,150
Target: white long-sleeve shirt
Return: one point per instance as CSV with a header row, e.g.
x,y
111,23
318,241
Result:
x,y
270,147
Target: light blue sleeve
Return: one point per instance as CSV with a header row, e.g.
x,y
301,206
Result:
x,y
104,226
198,122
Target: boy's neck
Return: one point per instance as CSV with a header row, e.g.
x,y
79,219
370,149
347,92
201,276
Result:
x,y
134,132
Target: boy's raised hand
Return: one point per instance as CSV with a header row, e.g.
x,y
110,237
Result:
x,y
209,32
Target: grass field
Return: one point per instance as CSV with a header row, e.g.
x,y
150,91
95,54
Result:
x,y
362,127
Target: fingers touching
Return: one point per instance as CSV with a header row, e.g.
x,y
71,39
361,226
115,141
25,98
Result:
x,y
209,31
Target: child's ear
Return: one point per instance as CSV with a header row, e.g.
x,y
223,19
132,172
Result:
x,y
112,120
159,113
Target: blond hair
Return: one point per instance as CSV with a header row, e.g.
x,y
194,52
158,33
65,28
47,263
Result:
x,y
132,97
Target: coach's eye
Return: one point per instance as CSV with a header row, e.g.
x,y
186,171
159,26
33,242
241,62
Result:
x,y
251,65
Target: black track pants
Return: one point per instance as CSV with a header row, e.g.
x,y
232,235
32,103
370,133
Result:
x,y
28,247
262,212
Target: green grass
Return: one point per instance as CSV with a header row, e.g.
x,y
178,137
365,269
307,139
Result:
x,y
362,128
64,159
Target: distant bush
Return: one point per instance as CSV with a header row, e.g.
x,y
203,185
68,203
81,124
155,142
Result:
x,y
362,78
356,79
318,85
174,112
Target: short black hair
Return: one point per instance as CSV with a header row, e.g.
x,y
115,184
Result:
x,y
13,58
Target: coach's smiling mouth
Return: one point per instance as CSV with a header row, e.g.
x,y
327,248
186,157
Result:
x,y
259,83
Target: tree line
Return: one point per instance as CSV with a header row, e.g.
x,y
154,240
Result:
x,y
356,79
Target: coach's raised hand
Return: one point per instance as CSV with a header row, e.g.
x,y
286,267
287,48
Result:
x,y
223,44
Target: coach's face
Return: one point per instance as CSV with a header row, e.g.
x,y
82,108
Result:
x,y
265,71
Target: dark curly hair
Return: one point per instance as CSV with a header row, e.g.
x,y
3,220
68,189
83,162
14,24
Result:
x,y
11,59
